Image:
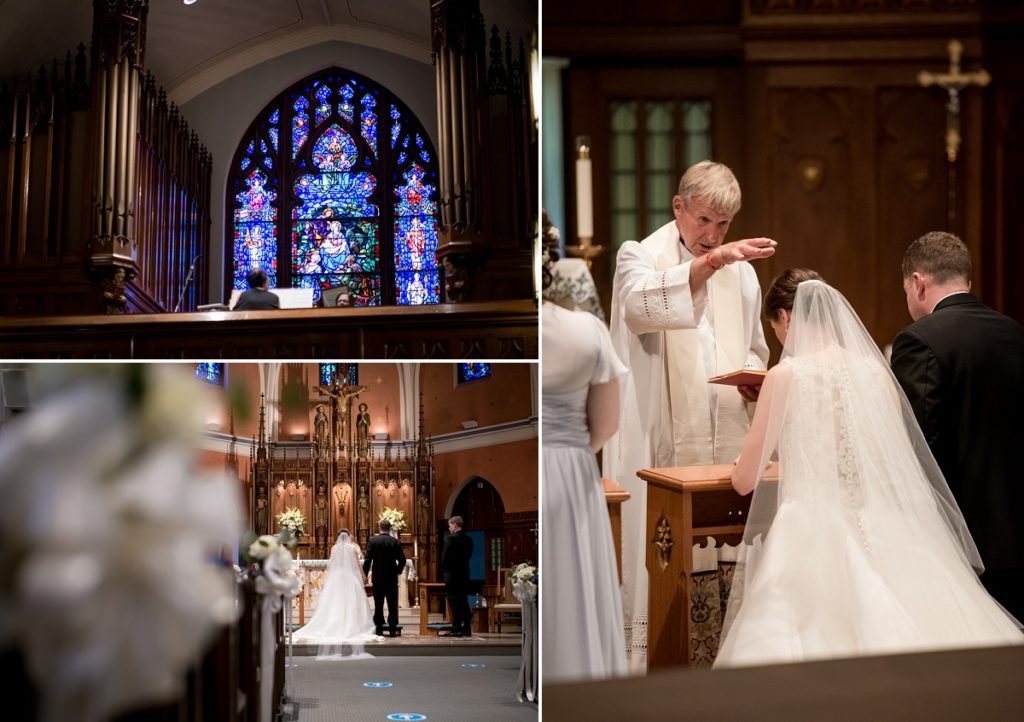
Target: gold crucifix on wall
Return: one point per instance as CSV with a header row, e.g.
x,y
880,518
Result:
x,y
953,82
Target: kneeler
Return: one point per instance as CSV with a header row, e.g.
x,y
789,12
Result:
x,y
709,597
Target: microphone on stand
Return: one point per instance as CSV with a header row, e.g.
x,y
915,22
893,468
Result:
x,y
188,281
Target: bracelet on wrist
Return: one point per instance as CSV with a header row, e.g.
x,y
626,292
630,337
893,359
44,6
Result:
x,y
707,257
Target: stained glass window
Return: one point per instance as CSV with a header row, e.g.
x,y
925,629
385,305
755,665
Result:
x,y
471,371
344,373
352,199
212,373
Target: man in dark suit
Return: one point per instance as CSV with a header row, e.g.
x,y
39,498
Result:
x,y
384,556
961,365
458,548
258,298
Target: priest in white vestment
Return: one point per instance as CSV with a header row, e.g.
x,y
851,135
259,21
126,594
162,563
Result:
x,y
686,306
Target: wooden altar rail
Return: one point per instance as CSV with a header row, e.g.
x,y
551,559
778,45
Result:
x,y
684,506
614,497
498,330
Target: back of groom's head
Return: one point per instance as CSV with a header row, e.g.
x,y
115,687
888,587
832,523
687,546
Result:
x,y
384,525
940,255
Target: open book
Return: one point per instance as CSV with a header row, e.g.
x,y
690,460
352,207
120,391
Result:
x,y
743,377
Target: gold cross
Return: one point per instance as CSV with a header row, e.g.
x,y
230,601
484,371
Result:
x,y
953,82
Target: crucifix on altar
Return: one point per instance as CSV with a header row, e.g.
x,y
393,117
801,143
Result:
x,y
953,82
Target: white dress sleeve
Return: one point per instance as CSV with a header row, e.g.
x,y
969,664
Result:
x,y
607,365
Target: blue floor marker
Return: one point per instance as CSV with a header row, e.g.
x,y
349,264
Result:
x,y
406,716
474,666
378,684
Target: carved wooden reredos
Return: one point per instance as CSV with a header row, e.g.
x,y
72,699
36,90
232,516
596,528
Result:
x,y
339,480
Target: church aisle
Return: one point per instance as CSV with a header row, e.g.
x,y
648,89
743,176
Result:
x,y
441,688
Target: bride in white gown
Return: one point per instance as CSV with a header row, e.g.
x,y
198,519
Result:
x,y
341,624
859,548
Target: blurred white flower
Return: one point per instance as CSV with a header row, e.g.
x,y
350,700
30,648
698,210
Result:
x,y
106,578
279,577
263,547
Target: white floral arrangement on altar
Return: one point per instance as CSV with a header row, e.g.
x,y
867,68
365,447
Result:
x,y
396,517
113,536
292,523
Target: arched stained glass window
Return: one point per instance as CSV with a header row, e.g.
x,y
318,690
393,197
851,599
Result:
x,y
343,373
212,373
471,371
349,197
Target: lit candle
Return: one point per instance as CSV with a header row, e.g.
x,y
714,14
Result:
x,y
415,547
584,193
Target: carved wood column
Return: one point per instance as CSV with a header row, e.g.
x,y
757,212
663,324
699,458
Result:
x,y
118,45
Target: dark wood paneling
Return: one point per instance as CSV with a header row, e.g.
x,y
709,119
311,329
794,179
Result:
x,y
449,331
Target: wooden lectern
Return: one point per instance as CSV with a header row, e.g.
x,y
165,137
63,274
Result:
x,y
614,496
684,506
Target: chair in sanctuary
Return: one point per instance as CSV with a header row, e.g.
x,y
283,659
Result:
x,y
507,604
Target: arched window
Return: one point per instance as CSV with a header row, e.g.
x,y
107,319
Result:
x,y
335,183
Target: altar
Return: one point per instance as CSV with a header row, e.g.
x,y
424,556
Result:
x,y
313,574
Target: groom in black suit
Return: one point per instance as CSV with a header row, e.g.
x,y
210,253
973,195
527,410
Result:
x,y
384,555
961,365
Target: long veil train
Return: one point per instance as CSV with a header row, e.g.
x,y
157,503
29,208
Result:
x,y
341,624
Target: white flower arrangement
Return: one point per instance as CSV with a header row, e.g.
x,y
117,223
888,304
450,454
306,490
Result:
x,y
292,524
396,517
525,572
264,547
99,480
278,573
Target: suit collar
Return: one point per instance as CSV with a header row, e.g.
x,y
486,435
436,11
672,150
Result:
x,y
955,299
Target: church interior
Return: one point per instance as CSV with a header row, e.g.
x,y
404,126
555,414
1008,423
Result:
x,y
843,156
340,444
853,128
153,155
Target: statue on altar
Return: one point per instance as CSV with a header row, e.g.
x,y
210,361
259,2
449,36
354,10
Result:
x,y
320,430
362,431
423,512
341,399
261,516
363,506
320,511
341,497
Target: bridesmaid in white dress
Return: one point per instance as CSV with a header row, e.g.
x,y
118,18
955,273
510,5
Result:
x,y
580,602
859,548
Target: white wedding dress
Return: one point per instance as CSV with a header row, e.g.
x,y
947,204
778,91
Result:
x,y
859,548
581,607
342,622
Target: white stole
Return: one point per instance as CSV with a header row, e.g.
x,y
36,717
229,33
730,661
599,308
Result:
x,y
697,438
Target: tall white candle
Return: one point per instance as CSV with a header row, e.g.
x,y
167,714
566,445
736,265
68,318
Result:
x,y
584,194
